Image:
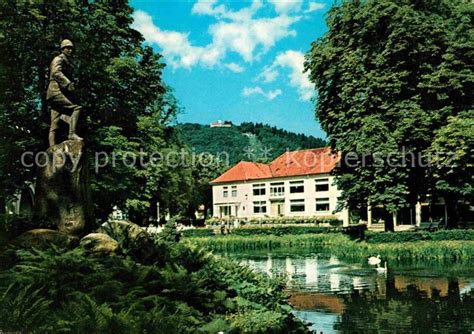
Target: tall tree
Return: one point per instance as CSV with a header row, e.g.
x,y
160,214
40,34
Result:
x,y
452,161
388,73
118,83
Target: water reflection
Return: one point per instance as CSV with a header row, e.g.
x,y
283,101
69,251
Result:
x,y
408,310
353,298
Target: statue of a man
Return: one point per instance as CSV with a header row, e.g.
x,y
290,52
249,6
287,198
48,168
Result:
x,y
59,94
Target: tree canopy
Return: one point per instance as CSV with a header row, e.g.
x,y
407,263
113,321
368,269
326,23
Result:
x,y
390,74
127,108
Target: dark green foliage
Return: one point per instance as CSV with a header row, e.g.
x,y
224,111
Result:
x,y
23,308
391,76
181,289
14,225
198,232
169,233
283,230
236,140
215,141
384,237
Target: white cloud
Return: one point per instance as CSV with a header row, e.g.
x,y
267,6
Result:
x,y
314,6
208,7
268,74
176,47
235,31
205,7
285,6
246,38
294,61
234,67
270,95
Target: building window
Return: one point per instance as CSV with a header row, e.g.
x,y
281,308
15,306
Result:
x,y
225,193
322,204
260,207
322,184
277,189
259,189
234,191
296,187
297,205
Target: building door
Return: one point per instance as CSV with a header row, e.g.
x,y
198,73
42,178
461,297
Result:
x,y
225,211
278,209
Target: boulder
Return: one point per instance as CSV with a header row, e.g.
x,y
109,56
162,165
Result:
x,y
133,239
124,231
62,193
43,238
100,243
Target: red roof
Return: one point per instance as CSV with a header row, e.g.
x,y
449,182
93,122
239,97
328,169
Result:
x,y
245,170
304,162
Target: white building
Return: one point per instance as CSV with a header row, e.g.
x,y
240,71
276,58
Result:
x,y
296,184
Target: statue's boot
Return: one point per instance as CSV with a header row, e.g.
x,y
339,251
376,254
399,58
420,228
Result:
x,y
72,126
65,118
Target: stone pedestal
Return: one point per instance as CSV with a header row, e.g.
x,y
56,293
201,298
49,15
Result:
x,y
62,193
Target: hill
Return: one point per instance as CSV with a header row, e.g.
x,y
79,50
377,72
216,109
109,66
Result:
x,y
247,141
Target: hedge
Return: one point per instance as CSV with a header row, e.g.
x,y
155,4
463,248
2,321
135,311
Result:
x,y
198,232
353,231
408,236
280,230
333,221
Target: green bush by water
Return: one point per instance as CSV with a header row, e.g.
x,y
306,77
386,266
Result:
x,y
409,236
342,246
198,232
281,230
331,220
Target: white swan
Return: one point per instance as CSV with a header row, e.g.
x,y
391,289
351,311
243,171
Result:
x,y
374,260
383,269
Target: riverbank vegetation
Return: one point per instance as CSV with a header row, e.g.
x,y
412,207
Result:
x,y
444,248
408,236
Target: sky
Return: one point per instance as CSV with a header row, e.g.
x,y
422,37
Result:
x,y
239,61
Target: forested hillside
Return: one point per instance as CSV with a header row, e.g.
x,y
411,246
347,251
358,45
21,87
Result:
x,y
247,141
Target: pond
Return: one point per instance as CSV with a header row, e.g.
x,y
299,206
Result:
x,y
343,297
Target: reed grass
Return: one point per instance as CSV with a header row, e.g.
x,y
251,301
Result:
x,y
343,247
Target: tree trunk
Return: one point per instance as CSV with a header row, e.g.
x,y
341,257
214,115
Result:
x,y
452,207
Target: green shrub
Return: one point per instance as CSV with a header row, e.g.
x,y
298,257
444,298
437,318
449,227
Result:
x,y
24,309
331,220
280,230
258,322
410,236
198,232
177,289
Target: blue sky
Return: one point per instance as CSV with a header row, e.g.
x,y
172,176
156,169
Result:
x,y
237,60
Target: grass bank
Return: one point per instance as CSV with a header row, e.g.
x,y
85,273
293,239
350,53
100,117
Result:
x,y
342,246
